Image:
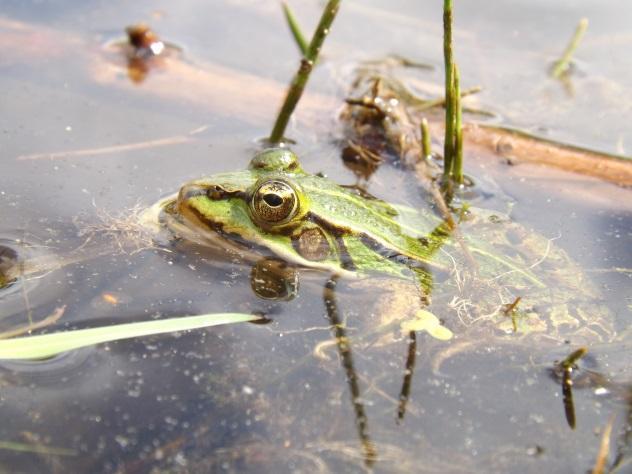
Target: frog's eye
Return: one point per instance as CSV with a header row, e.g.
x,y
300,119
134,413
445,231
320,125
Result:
x,y
274,202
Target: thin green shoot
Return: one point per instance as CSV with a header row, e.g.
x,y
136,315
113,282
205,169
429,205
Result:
x,y
304,71
453,140
49,345
448,145
295,29
426,150
563,64
573,357
457,165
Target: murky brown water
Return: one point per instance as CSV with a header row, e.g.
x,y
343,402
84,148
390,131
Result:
x,y
253,398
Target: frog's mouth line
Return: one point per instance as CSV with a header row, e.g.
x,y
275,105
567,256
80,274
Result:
x,y
219,240
216,193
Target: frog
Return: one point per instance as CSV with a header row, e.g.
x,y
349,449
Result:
x,y
276,207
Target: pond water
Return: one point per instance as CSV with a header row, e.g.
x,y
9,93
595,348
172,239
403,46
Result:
x,y
83,145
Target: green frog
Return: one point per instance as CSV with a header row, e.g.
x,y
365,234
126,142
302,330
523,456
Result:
x,y
312,222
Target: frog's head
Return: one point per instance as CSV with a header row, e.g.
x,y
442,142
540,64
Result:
x,y
304,219
265,205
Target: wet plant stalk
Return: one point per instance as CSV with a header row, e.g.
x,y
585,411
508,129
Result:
x,y
448,146
457,164
299,38
561,65
573,357
426,150
302,75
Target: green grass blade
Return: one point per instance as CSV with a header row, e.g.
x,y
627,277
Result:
x,y
37,449
297,34
301,77
563,64
48,345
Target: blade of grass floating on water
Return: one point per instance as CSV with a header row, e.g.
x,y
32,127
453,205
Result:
x,y
297,34
302,75
48,345
561,65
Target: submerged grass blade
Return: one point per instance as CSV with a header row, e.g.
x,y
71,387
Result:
x,y
297,34
48,345
36,448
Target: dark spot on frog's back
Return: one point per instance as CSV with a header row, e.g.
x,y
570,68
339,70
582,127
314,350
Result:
x,y
312,245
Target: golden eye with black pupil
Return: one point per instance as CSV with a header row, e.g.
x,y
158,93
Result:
x,y
274,202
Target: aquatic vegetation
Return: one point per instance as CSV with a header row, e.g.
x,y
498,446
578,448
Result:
x,y
562,65
252,397
48,345
301,77
297,34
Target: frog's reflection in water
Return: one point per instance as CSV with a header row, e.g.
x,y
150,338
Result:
x,y
274,279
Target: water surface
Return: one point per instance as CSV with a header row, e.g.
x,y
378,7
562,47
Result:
x,y
262,398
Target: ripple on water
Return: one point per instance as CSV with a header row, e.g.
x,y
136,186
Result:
x,y
29,279
52,371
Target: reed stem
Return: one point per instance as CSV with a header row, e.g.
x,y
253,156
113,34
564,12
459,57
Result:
x,y
457,165
302,75
448,145
561,65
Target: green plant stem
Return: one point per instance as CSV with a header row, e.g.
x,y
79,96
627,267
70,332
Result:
x,y
302,75
562,64
450,124
448,146
426,149
573,357
299,38
457,165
